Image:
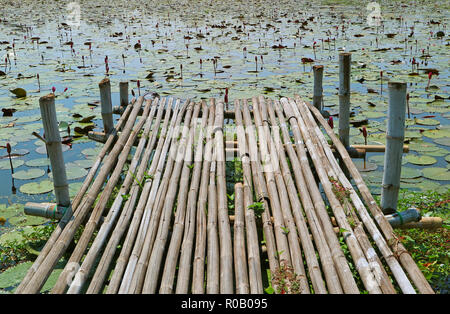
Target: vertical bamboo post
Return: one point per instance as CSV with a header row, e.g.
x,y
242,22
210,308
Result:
x,y
106,105
123,87
394,147
344,97
318,89
53,143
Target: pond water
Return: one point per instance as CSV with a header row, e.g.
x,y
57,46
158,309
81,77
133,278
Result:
x,y
197,49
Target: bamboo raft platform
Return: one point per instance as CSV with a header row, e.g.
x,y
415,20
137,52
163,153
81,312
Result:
x,y
171,227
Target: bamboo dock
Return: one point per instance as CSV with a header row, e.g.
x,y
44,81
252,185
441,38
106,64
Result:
x,y
172,228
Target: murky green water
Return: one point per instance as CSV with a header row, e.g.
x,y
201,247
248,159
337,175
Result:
x,y
249,47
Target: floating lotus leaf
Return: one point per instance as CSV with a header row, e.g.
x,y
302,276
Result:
x,y
41,187
38,162
422,146
5,164
421,160
409,173
437,133
73,171
94,151
447,158
443,141
13,236
14,275
369,166
74,188
427,121
436,173
10,211
27,220
28,174
374,114
85,163
441,152
428,185
43,150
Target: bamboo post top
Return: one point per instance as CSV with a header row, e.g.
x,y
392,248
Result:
x,y
54,150
106,105
104,82
395,134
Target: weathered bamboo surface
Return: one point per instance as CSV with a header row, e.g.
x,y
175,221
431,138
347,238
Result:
x,y
183,216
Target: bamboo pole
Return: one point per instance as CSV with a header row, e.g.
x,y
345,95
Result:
x,y
316,228
124,220
334,171
54,151
344,97
318,89
162,209
38,279
240,256
213,253
144,233
260,188
184,209
296,207
106,105
345,275
72,212
113,214
139,223
226,248
198,273
184,270
99,208
133,276
123,92
254,262
356,252
277,191
182,162
279,224
394,147
377,148
398,249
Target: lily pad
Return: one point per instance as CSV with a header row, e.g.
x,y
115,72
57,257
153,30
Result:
x,y
28,174
4,164
436,173
368,167
427,121
85,163
14,275
10,211
73,172
43,149
443,141
42,187
421,160
409,173
27,220
38,162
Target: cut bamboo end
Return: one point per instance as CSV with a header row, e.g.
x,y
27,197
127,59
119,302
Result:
x,y
394,146
318,89
46,210
106,105
123,90
428,223
54,150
